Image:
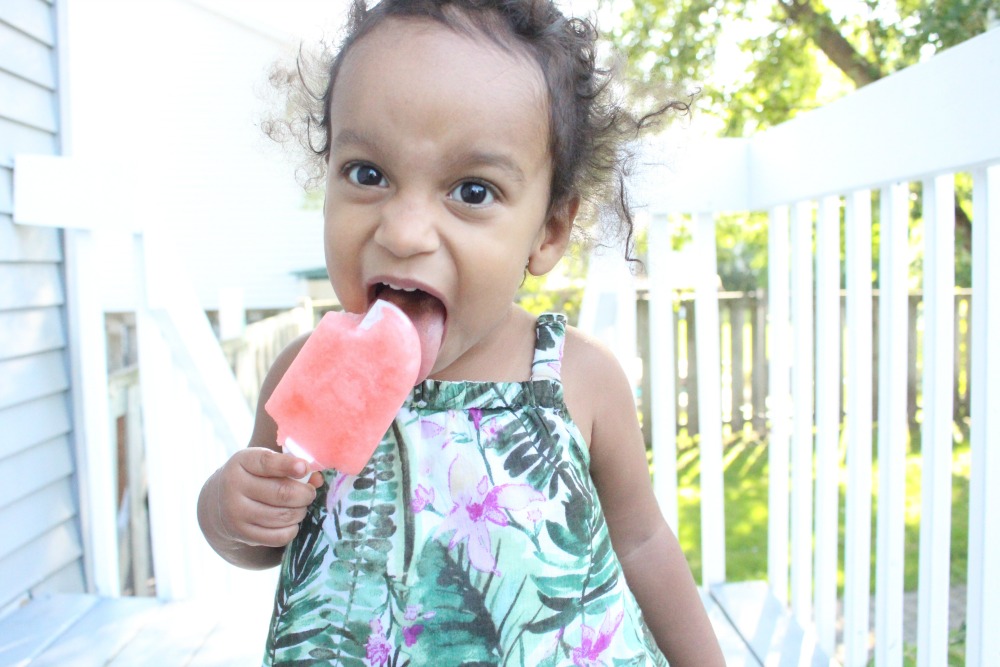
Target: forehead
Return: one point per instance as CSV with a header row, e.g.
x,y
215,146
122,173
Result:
x,y
405,68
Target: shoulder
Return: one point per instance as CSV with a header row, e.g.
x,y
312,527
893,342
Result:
x,y
595,386
265,430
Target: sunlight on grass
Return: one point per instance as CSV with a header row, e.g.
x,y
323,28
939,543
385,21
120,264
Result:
x,y
746,480
745,473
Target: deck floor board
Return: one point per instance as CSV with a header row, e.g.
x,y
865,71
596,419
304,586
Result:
x,y
85,631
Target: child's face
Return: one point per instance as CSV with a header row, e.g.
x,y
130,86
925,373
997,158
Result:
x,y
439,176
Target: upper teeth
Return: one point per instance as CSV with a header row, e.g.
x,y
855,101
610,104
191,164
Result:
x,y
402,289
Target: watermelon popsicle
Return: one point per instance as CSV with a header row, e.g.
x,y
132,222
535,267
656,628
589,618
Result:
x,y
340,394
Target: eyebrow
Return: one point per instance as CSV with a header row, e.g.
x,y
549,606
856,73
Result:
x,y
352,138
470,159
492,159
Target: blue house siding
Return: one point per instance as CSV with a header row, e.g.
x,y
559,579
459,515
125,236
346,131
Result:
x,y
41,549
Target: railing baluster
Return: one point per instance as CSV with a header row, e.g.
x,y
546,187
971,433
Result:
x,y
983,611
859,428
936,435
802,401
778,397
892,425
662,402
828,325
713,526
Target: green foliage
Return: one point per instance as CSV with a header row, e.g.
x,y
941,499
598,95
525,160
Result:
x,y
741,244
786,79
791,56
560,291
791,49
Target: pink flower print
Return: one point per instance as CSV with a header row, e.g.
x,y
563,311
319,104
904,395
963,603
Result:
x,y
414,612
491,429
430,430
377,648
422,497
592,645
411,633
476,505
477,417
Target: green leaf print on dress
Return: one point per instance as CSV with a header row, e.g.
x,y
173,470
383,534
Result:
x,y
461,630
301,566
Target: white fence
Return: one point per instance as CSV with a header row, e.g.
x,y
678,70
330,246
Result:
x,y
921,125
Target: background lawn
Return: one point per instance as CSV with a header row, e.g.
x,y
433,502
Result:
x,y
746,482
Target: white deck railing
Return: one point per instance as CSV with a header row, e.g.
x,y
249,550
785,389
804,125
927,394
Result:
x,y
921,125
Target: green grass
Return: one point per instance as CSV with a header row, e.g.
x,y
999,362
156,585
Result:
x,y
745,488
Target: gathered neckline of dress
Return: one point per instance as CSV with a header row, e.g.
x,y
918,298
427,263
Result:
x,y
543,389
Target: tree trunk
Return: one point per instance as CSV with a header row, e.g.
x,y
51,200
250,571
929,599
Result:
x,y
824,33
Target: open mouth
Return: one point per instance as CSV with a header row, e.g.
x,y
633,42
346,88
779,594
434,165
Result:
x,y
427,313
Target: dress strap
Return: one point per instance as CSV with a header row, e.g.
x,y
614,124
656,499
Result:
x,y
550,337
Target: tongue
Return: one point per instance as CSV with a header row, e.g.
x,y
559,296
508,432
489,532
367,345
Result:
x,y
427,315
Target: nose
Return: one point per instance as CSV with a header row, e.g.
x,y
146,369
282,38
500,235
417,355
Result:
x,y
408,227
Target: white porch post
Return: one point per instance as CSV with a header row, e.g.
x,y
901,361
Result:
x,y
38,176
97,462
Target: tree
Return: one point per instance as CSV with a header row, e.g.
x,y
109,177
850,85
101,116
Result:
x,y
798,54
792,46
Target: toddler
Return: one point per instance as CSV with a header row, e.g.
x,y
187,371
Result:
x,y
507,517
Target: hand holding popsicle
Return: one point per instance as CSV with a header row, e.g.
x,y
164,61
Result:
x,y
252,502
345,386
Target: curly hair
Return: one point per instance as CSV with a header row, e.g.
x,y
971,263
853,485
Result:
x,y
590,128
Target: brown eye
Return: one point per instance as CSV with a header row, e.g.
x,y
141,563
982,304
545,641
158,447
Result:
x,y
366,175
472,193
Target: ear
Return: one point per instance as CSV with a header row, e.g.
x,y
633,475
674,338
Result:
x,y
553,237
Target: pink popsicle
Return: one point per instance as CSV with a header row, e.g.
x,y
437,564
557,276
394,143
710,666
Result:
x,y
341,393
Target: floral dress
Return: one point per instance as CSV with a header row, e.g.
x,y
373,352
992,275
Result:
x,y
474,536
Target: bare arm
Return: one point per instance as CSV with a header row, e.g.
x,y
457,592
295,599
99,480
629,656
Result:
x,y
600,398
251,507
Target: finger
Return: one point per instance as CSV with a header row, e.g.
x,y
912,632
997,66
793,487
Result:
x,y
277,518
271,537
280,492
264,462
252,522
